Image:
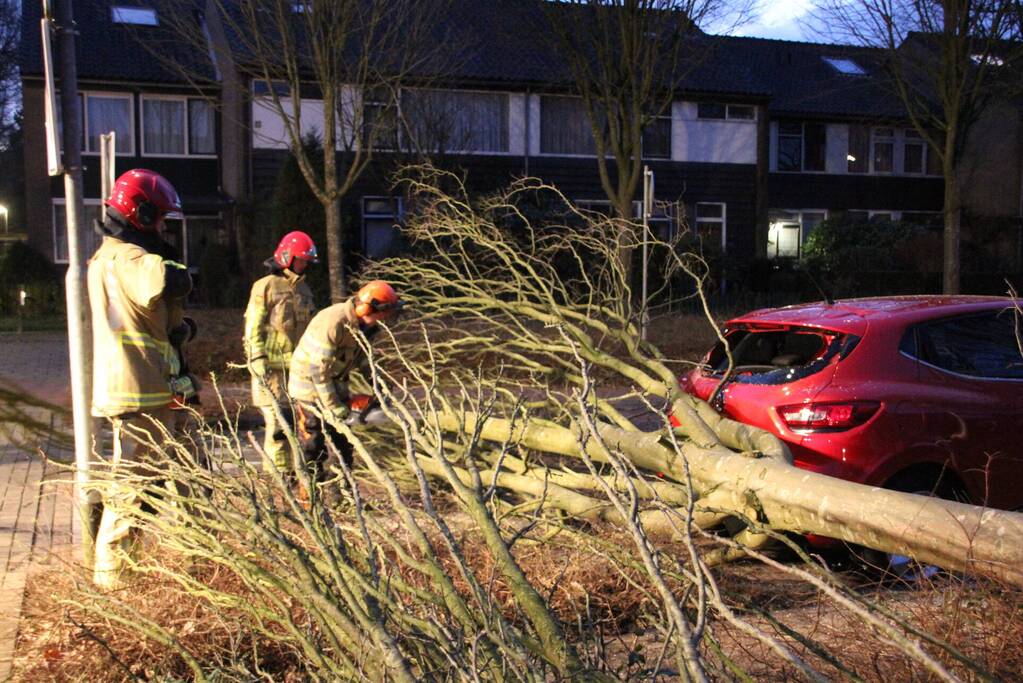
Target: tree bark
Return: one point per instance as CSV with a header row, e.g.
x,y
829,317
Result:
x,y
951,283
784,498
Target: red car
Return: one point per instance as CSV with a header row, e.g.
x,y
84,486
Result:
x,y
914,393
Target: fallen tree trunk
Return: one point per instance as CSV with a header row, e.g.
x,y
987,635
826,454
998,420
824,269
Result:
x,y
784,498
522,307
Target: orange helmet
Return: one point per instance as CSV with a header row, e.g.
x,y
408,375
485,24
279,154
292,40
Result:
x,y
377,297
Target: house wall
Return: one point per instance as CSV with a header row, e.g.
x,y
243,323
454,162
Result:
x,y
193,177
711,141
577,178
37,182
854,192
991,170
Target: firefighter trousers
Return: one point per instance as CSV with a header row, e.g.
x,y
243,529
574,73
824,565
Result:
x,y
313,433
133,435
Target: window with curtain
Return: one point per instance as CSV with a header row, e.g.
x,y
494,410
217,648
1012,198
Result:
x,y
92,240
565,127
884,150
858,156
105,113
801,146
790,146
178,126
710,224
201,128
379,120
380,235
657,138
163,126
456,121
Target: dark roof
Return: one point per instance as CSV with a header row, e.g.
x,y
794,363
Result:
x,y
107,51
800,82
501,43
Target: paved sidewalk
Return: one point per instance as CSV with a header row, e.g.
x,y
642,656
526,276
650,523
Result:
x,y
37,521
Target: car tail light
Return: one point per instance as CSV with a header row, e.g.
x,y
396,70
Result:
x,y
827,417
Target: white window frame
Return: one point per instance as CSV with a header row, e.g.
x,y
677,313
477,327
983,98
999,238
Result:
x,y
54,203
383,104
184,99
728,112
395,215
539,132
130,97
907,140
403,145
666,116
798,213
192,267
723,220
876,139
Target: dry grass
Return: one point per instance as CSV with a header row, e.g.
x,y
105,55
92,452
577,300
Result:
x,y
60,640
218,343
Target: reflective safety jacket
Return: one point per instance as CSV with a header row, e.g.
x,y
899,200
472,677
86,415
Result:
x,y
325,356
280,307
133,361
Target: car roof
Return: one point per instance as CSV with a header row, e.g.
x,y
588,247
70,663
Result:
x,y
853,316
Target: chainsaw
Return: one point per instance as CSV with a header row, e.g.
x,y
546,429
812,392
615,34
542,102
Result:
x,y
365,410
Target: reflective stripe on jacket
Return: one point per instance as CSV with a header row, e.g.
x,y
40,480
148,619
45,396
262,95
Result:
x,y
280,307
325,355
133,360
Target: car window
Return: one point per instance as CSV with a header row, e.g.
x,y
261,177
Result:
x,y
978,345
779,355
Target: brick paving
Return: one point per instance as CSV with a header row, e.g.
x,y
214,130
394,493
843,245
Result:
x,y
38,526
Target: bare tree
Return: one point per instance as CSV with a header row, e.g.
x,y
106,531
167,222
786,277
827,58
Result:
x,y
333,67
946,61
625,59
10,35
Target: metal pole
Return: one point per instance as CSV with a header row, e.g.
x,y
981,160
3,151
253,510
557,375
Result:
x,y
648,200
107,173
79,329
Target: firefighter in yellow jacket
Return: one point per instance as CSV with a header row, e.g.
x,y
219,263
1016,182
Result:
x,y
326,354
135,293
280,307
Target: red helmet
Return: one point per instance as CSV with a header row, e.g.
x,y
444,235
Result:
x,y
143,197
377,297
295,245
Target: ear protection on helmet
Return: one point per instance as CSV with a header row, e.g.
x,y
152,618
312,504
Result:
x,y
147,213
364,308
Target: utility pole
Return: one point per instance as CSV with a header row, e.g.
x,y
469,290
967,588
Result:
x,y
648,207
79,328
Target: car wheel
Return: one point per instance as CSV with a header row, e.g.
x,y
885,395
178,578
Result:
x,y
894,567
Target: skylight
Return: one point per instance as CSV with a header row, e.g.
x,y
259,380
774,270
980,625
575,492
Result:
x,y
990,60
140,16
845,66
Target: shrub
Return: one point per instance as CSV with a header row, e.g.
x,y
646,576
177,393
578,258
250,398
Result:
x,y
21,265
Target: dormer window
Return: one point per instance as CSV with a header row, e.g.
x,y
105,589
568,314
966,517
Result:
x,y
139,16
845,66
989,60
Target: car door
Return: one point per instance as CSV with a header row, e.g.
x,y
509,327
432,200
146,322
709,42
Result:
x,y
972,390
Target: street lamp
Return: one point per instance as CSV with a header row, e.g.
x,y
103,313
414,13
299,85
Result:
x,y
3,213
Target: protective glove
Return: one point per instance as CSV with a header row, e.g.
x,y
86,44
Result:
x,y
340,412
259,367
